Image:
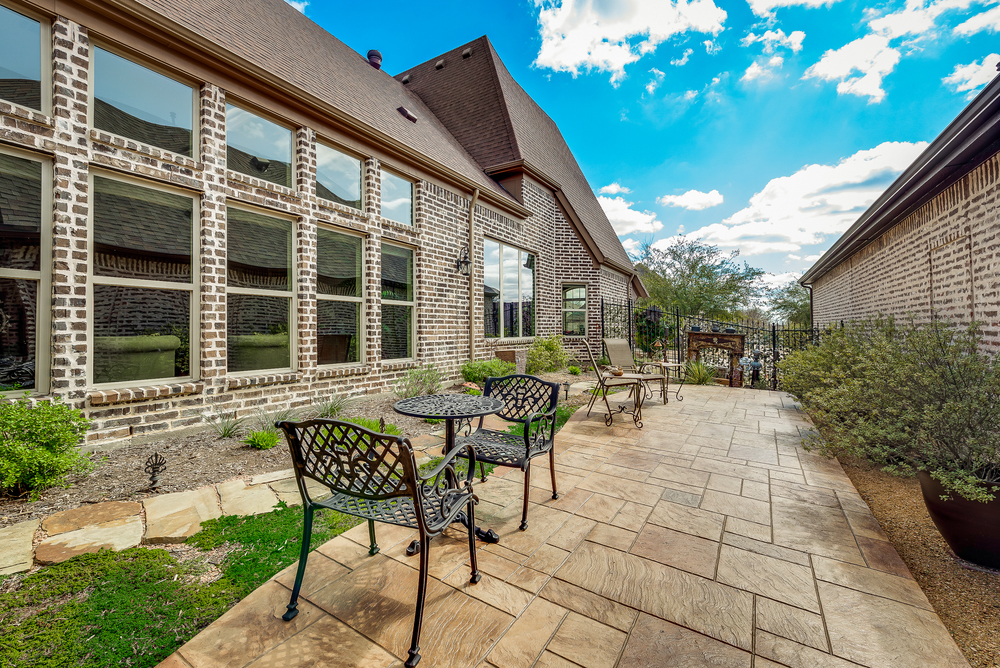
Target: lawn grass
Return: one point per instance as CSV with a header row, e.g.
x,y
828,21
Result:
x,y
135,607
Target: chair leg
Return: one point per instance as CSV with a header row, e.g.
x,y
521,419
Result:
x,y
482,472
418,619
527,485
373,550
293,604
593,399
471,511
552,468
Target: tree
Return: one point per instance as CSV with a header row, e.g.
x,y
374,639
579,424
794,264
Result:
x,y
697,277
790,303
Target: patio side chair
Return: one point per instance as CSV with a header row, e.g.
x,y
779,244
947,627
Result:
x,y
375,476
605,380
530,402
620,355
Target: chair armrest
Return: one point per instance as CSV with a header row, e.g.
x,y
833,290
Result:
x,y
448,464
544,420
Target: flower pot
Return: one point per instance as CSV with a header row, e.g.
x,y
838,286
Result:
x,y
971,528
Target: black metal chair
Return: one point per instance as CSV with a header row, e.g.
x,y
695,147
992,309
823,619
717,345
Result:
x,y
375,476
528,401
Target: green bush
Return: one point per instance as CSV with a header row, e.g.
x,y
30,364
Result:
x,y
477,371
699,373
38,445
546,354
906,397
574,370
225,425
264,439
332,406
420,381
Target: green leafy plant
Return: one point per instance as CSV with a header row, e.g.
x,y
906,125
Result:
x,y
263,440
546,354
371,424
574,370
225,425
908,397
477,371
433,421
332,406
419,381
474,391
699,373
38,445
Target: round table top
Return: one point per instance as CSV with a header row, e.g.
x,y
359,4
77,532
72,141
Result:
x,y
448,406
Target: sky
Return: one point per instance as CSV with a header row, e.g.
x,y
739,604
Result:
x,y
763,126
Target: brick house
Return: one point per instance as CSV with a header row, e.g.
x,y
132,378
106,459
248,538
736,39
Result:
x,y
192,223
929,244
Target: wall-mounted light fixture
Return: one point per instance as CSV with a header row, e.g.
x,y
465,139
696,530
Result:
x,y
463,264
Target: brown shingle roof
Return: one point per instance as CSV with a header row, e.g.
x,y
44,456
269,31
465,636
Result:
x,y
497,121
273,36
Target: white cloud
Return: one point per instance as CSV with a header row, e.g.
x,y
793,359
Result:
x,y
614,189
655,81
712,47
632,247
299,4
773,39
607,36
818,200
690,94
683,60
762,72
988,20
870,56
625,219
914,19
794,257
767,7
973,76
692,200
812,258
780,280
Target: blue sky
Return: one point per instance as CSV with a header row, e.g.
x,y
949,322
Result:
x,y
766,126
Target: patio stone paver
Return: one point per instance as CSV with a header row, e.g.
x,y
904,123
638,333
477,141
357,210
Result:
x,y
171,518
16,547
118,534
238,498
708,538
89,515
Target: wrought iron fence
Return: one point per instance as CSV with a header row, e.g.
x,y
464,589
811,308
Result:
x,y
766,342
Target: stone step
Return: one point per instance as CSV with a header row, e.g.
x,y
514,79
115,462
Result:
x,y
16,547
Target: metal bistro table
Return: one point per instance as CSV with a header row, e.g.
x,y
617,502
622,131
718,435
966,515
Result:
x,y
638,394
451,408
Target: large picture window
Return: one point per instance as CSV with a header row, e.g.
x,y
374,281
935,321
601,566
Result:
x,y
20,59
22,201
259,291
397,303
258,147
338,176
397,198
574,310
135,102
339,294
143,298
508,291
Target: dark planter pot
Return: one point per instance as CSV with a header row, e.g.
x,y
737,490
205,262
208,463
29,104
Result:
x,y
971,528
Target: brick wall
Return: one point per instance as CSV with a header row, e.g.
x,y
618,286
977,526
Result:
x,y
941,258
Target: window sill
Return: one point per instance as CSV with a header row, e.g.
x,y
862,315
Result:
x,y
400,364
340,371
248,180
511,341
18,111
238,382
337,207
105,137
396,225
119,396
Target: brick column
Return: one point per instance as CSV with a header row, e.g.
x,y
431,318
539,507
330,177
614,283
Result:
x,y
212,232
373,189
373,298
305,254
70,97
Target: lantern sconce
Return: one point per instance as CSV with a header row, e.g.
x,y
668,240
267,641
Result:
x,y
463,265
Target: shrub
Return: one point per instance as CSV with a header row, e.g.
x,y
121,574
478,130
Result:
x,y
574,370
263,420
371,424
699,373
332,406
420,381
264,439
906,397
477,371
225,425
38,445
547,354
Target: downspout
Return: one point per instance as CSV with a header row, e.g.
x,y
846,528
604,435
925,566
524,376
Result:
x,y
811,321
472,282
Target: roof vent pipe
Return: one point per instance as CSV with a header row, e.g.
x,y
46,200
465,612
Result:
x,y
375,59
439,64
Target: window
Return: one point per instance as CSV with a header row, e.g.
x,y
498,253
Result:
x,y
574,309
397,198
397,302
20,59
259,291
258,147
339,293
338,176
23,326
508,291
144,299
138,103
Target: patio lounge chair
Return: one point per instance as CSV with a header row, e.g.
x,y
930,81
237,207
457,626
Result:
x,y
530,402
375,476
620,355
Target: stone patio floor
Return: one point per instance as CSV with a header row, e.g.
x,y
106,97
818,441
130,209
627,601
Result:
x,y
707,538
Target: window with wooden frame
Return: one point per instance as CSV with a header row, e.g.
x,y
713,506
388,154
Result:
x,y
508,291
258,147
397,198
143,286
340,297
259,291
338,176
25,276
398,304
24,59
574,310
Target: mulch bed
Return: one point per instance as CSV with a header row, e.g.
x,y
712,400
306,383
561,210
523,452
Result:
x,y
967,600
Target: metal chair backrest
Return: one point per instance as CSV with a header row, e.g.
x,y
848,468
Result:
x,y
619,353
350,459
522,395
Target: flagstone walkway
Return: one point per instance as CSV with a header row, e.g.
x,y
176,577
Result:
x,y
707,538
